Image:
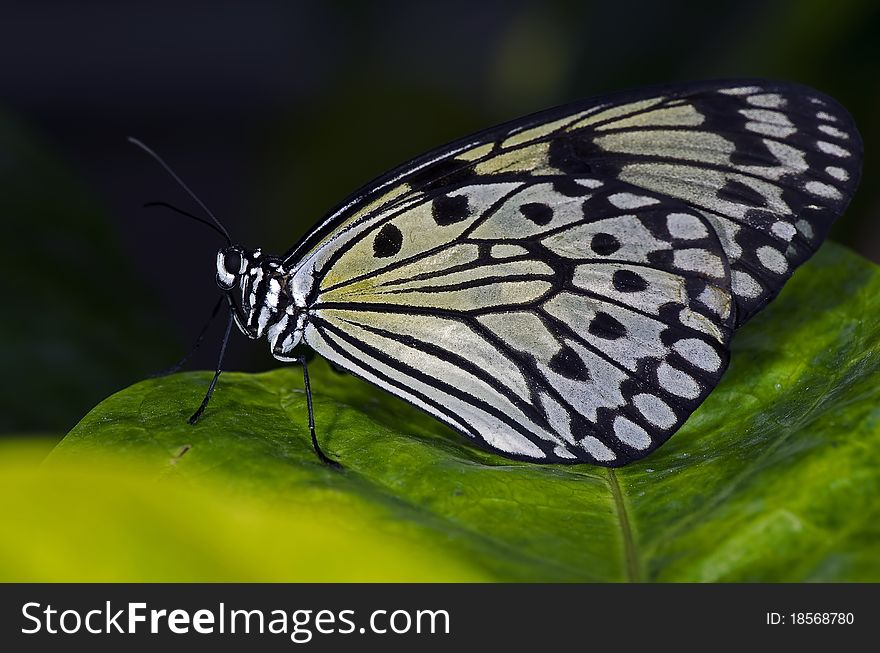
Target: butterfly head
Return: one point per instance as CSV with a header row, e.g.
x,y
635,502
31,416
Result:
x,y
254,283
258,289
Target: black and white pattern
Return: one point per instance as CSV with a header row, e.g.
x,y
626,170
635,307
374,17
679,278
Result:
x,y
564,288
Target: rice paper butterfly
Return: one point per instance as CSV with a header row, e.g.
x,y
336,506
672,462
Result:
x,y
563,288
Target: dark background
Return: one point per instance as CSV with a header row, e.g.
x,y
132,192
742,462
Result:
x,y
274,111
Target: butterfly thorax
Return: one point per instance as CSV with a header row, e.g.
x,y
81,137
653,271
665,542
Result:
x,y
261,298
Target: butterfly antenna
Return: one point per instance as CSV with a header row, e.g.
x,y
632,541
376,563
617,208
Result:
x,y
173,174
166,205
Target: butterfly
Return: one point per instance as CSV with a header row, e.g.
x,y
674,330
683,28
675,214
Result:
x,y
563,288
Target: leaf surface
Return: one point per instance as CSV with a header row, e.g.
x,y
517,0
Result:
x,y
775,478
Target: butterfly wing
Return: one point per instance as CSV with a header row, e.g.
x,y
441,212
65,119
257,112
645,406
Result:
x,y
590,335
564,288
771,166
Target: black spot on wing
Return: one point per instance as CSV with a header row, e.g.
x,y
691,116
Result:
x,y
387,242
537,212
567,363
449,209
604,244
606,327
628,281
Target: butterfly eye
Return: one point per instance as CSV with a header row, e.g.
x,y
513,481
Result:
x,y
229,263
232,261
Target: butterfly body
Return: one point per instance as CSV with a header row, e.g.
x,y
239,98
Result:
x,y
564,288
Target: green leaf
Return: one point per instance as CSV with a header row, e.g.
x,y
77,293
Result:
x,y
775,478
111,521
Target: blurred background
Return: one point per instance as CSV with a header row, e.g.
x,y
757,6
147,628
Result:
x,y
275,111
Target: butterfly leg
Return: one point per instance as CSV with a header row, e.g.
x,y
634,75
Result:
x,y
201,409
321,455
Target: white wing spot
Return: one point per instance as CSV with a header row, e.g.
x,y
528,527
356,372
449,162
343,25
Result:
x,y
805,228
772,259
631,433
823,190
790,157
772,117
588,183
833,131
655,410
698,353
745,285
832,149
677,382
740,90
768,123
596,449
783,229
821,115
630,201
767,100
698,260
685,226
770,129
838,173
714,299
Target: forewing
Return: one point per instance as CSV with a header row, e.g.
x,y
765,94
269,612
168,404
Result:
x,y
770,165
